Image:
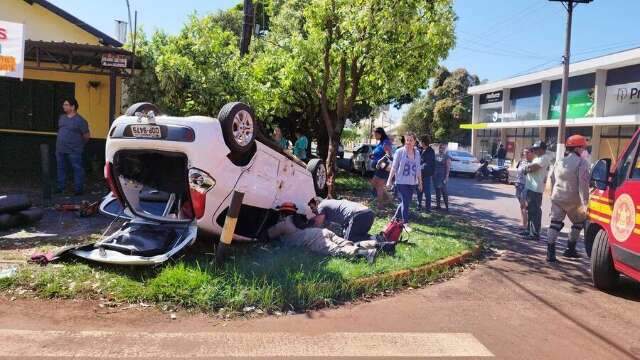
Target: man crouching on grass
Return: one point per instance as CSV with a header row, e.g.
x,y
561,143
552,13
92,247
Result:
x,y
355,219
293,231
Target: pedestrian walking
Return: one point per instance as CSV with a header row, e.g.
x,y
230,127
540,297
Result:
x,y
569,196
300,147
537,172
427,167
405,174
501,155
280,139
73,134
441,176
521,191
380,175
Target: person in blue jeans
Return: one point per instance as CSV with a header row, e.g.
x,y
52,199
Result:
x,y
73,134
405,172
427,165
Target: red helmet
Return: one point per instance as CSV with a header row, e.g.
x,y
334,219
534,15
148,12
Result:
x,y
576,141
287,207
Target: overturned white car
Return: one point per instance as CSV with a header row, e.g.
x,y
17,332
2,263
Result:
x,y
173,177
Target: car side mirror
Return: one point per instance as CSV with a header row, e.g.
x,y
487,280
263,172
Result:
x,y
600,174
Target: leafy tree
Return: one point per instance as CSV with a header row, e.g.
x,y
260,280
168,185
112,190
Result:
x,y
446,105
340,53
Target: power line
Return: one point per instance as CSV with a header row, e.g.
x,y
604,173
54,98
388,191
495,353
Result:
x,y
503,54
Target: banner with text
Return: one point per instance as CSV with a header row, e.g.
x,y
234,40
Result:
x,y
622,99
11,49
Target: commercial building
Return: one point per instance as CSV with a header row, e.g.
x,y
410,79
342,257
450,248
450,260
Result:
x,y
62,57
603,105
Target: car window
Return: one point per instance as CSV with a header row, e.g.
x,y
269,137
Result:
x,y
629,158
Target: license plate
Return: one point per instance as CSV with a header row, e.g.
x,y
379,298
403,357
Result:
x,y
146,131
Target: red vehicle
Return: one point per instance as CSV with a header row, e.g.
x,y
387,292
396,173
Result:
x,y
612,237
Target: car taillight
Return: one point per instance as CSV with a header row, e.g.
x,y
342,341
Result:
x,y
108,176
199,184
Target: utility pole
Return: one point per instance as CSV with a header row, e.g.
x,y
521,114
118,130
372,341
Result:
x,y
247,27
569,5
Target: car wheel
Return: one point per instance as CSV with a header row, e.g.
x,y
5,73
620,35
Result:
x,y
319,174
7,221
603,273
238,126
14,203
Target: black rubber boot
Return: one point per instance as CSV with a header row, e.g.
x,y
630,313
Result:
x,y
551,252
571,250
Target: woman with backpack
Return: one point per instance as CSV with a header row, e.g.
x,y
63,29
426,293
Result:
x,y
405,173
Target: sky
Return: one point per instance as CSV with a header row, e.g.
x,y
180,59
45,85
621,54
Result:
x,y
496,39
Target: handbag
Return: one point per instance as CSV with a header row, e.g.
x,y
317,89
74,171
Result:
x,y
384,163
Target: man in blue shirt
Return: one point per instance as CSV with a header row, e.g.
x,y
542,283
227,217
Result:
x,y
73,134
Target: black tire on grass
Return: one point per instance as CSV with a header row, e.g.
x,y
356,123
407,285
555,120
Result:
x,y
8,221
14,203
30,216
604,275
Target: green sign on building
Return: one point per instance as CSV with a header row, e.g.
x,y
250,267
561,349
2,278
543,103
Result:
x,y
579,104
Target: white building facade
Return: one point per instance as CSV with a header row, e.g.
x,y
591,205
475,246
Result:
x,y
603,105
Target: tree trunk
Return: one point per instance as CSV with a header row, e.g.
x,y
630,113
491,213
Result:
x,y
331,164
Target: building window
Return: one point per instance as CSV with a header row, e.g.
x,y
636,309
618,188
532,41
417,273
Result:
x,y
525,103
32,104
580,102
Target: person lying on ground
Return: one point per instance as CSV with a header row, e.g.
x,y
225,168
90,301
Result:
x,y
354,218
292,231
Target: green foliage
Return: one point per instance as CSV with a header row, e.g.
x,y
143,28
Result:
x,y
446,105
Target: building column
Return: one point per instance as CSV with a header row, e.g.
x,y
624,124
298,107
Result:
x,y
475,117
599,101
545,95
506,108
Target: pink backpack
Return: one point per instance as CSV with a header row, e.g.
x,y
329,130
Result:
x,y
393,231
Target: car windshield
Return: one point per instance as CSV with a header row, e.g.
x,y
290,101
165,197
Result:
x,y
460,154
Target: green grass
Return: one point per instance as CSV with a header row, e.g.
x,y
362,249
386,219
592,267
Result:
x,y
268,276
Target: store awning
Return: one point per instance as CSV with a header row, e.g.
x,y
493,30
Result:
x,y
591,121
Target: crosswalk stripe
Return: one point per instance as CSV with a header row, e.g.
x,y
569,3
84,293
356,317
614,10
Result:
x,y
106,344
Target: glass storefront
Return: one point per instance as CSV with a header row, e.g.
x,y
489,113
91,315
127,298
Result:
x,y
614,139
525,103
491,107
488,141
518,139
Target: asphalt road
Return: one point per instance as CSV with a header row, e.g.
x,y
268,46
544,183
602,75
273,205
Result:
x,y
511,305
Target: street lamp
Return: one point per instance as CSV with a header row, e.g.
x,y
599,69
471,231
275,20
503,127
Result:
x,y
569,5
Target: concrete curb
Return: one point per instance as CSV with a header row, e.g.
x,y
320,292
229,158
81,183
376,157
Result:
x,y
403,275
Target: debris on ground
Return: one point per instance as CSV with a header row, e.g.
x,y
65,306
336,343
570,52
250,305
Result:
x,y
8,272
16,210
23,234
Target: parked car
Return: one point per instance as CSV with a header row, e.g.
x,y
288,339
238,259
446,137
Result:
x,y
612,236
173,178
463,162
361,160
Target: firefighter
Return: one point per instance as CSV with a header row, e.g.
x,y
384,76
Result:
x,y
569,196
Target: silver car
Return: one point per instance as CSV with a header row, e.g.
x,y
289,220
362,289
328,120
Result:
x,y
361,159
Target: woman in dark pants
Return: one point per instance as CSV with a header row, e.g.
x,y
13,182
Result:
x,y
381,175
441,176
405,173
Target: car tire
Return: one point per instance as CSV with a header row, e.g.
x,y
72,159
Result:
x,y
319,174
603,273
14,203
7,221
239,126
30,216
144,108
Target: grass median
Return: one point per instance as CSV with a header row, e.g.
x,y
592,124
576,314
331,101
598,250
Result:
x,y
269,276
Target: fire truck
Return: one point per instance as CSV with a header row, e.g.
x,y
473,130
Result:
x,y
612,237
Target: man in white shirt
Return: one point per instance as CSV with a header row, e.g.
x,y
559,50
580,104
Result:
x,y
536,180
